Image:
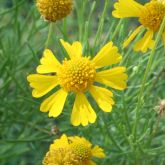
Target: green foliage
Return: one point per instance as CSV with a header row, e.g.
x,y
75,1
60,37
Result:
x,y
25,132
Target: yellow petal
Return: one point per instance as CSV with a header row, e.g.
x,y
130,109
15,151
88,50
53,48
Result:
x,y
145,43
55,103
74,50
108,55
42,84
132,36
60,143
115,78
163,36
98,152
91,162
127,8
49,63
82,112
103,98
77,139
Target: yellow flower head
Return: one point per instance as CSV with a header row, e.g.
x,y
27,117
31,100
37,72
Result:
x,y
72,151
83,150
53,10
150,17
78,74
60,153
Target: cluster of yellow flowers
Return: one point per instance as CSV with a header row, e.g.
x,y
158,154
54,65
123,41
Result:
x,y
150,17
78,74
72,151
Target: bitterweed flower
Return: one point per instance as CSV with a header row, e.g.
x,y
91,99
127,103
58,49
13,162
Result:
x,y
59,153
72,151
78,74
53,10
150,17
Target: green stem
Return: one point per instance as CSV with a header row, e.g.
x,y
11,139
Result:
x,y
25,140
101,24
13,8
110,135
147,71
49,35
117,29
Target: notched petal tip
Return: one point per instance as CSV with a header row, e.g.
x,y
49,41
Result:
x,y
82,113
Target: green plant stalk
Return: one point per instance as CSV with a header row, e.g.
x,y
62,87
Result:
x,y
80,17
117,29
101,24
49,35
111,136
87,24
147,71
13,8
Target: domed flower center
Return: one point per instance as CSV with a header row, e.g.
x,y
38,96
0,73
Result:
x,y
153,15
76,75
60,156
54,10
82,152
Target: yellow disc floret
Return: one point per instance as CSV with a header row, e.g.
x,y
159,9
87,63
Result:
x,y
77,74
153,15
60,156
54,10
82,151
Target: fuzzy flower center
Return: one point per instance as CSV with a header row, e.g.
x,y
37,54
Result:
x,y
76,75
153,15
54,10
60,156
82,152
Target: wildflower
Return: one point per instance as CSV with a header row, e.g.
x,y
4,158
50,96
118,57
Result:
x,y
150,17
72,150
53,10
78,74
60,153
83,150
160,109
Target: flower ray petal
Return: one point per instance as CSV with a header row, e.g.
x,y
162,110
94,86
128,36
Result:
x,y
132,36
103,97
163,36
115,78
49,63
82,112
74,50
127,8
108,55
54,103
42,84
98,152
145,43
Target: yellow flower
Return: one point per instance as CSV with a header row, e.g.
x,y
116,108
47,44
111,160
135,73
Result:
x,y
83,150
60,153
78,74
72,151
150,17
54,10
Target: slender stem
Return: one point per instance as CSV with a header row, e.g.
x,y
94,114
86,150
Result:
x,y
110,135
49,35
101,24
117,29
13,8
45,137
147,71
157,126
